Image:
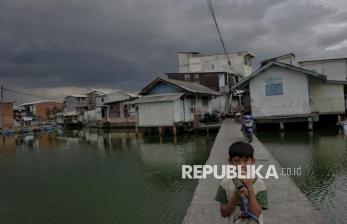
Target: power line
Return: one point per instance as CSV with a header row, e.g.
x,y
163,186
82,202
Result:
x,y
29,94
210,6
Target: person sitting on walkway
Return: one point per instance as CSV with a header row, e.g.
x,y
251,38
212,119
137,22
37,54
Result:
x,y
242,200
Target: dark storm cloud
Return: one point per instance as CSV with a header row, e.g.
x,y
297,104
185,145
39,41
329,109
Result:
x,y
125,43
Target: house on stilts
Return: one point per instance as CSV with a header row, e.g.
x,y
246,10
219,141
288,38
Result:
x,y
172,103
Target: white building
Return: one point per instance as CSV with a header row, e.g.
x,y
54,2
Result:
x,y
216,71
118,108
91,98
283,91
286,58
333,69
194,62
76,103
167,102
100,100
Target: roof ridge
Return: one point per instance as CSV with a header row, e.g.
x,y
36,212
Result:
x,y
281,64
189,83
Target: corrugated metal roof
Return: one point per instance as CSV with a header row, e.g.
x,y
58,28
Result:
x,y
283,65
277,58
167,97
31,103
132,94
198,54
120,95
320,60
37,102
198,73
97,92
192,86
76,95
185,86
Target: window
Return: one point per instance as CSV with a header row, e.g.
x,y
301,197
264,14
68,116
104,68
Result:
x,y
205,101
102,99
196,77
247,61
187,77
192,103
222,80
274,87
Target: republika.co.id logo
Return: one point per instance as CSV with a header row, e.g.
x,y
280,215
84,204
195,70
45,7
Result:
x,y
240,172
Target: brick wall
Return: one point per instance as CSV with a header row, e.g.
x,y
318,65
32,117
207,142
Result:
x,y
42,108
8,115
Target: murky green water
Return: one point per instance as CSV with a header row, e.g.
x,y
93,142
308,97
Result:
x,y
97,178
323,158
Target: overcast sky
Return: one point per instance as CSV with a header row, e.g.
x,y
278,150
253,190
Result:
x,y
57,47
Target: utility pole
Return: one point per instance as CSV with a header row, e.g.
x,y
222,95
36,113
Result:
x,y
2,108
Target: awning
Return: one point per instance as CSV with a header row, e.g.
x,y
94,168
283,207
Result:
x,y
167,97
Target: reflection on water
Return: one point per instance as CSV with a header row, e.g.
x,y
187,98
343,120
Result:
x,y
323,158
91,177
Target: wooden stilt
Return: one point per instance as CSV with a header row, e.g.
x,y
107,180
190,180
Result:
x,y
137,131
282,126
310,125
174,130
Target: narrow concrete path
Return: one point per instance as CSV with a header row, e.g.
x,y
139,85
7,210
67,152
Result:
x,y
287,204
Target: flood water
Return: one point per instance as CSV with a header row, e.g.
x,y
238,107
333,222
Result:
x,y
89,177
323,158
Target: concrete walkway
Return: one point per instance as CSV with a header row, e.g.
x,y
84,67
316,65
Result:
x,y
287,204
